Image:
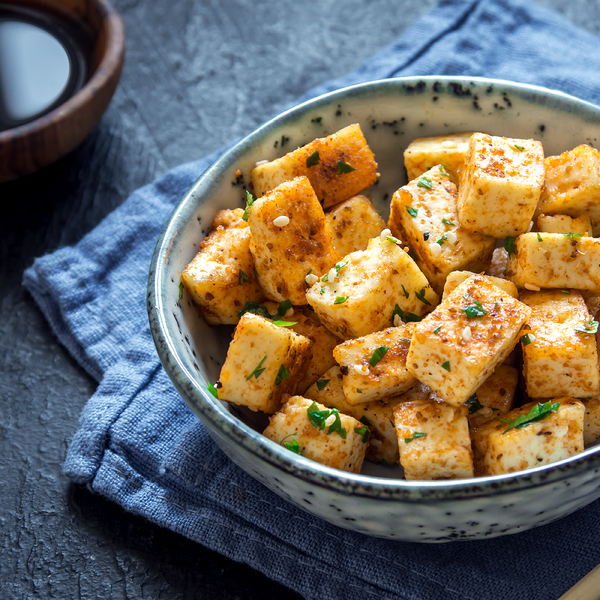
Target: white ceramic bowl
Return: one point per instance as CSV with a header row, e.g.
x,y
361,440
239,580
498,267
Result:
x,y
376,502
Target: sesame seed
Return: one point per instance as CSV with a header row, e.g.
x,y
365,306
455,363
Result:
x,y
531,338
397,321
361,369
281,221
385,232
331,275
532,287
530,226
376,443
435,249
448,144
311,278
466,334
451,237
329,421
264,161
289,312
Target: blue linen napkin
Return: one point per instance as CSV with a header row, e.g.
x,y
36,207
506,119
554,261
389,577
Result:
x,y
140,445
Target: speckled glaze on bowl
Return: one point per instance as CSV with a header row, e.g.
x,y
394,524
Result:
x,y
376,502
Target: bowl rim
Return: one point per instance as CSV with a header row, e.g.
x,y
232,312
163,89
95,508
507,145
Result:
x,y
102,76
224,424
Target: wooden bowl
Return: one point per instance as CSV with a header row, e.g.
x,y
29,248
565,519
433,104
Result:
x,y
29,147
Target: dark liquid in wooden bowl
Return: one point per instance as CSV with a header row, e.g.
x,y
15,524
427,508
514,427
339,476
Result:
x,y
45,59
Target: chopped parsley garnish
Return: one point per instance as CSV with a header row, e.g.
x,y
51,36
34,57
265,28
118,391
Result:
x,y
344,167
358,391
364,432
567,292
575,236
377,355
260,309
437,329
391,238
213,390
446,365
474,404
421,296
406,294
408,317
443,171
321,383
318,417
424,182
312,160
242,277
340,299
447,222
537,413
281,375
591,327
365,421
416,435
413,212
249,203
442,240
540,238
322,291
338,267
392,424
293,446
519,148
257,371
526,339
510,243
474,310
180,290
285,323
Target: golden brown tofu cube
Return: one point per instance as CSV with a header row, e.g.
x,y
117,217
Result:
x,y
500,185
559,348
361,294
572,185
591,421
423,214
499,449
323,341
564,224
448,150
330,440
220,278
495,397
377,416
263,363
433,439
455,278
374,366
458,346
353,223
555,260
338,167
290,240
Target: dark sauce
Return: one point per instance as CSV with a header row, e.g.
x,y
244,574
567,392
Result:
x,y
45,58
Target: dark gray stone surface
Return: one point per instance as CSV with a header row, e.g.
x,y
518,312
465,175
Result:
x,y
197,75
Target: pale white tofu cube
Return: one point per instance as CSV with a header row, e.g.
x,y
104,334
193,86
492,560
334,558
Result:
x,y
264,362
455,278
433,439
500,185
320,434
500,449
564,224
374,366
459,345
353,223
424,215
377,416
338,167
368,288
559,348
290,240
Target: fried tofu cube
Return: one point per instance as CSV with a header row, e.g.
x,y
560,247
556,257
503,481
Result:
x,y
497,267
374,366
338,167
263,363
559,354
220,279
377,416
353,223
449,150
323,341
555,260
455,278
459,345
290,240
433,439
591,421
423,214
495,397
500,185
499,450
360,296
564,224
572,185
330,440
